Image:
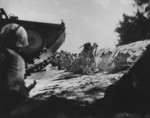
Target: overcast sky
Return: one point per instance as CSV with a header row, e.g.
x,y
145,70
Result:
x,y
86,20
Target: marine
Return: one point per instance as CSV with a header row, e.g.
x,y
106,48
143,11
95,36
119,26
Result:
x,y
13,38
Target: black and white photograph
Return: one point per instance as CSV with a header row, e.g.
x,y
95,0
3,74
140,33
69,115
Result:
x,y
74,58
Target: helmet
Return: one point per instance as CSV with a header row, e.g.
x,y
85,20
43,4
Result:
x,y
95,45
13,35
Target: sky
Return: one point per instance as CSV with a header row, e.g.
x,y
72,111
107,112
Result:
x,y
85,20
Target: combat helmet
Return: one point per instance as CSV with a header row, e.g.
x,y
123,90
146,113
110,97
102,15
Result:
x,y
13,35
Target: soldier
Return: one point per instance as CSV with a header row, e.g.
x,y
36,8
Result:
x,y
86,49
93,52
13,38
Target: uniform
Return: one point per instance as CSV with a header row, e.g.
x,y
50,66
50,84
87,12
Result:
x,y
13,37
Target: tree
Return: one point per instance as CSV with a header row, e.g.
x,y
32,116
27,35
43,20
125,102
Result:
x,y
142,5
141,2
134,28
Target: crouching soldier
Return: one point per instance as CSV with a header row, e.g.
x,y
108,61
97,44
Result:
x,y
13,38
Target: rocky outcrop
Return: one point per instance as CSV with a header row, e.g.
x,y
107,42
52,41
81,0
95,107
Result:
x,y
121,57
132,92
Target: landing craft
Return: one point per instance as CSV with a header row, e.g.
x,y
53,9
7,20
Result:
x,y
44,38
